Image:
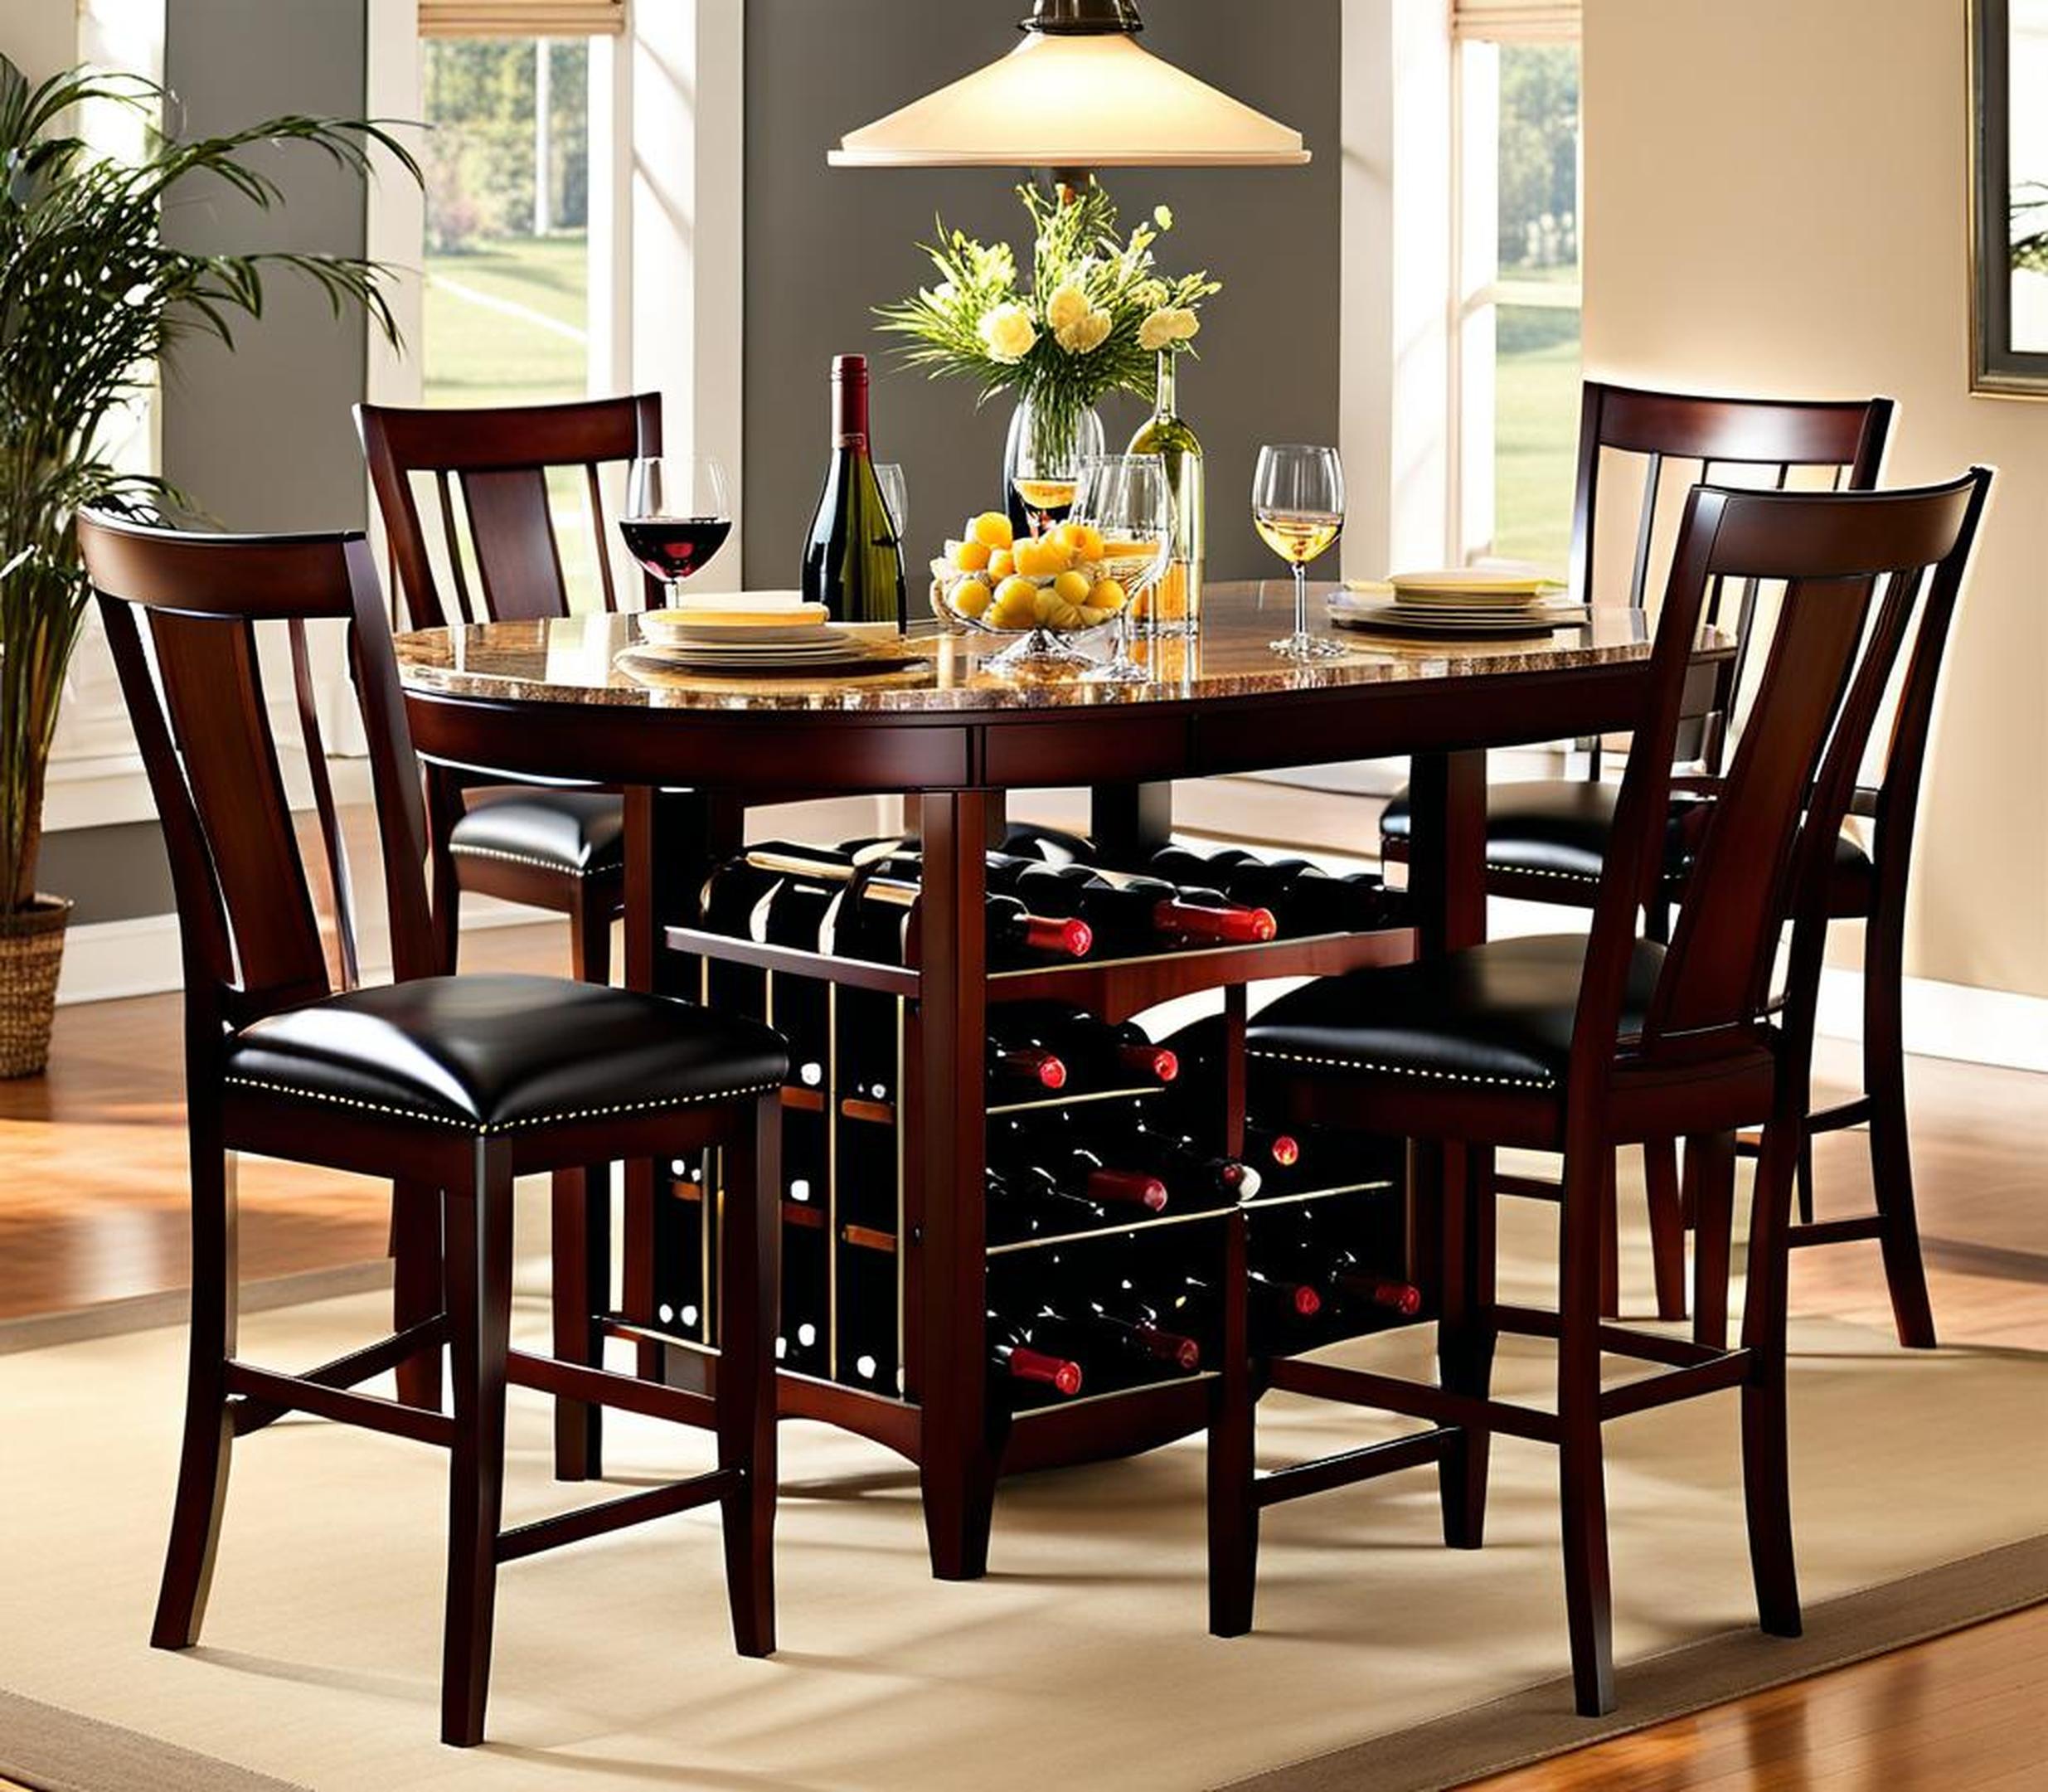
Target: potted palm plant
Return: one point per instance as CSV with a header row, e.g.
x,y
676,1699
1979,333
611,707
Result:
x,y
93,302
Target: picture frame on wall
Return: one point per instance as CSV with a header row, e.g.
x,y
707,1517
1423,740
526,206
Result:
x,y
2009,197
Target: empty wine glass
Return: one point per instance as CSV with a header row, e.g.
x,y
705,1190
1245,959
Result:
x,y
678,516
895,493
1298,506
1129,499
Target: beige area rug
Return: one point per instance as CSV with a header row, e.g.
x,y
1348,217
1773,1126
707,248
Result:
x,y
1380,1659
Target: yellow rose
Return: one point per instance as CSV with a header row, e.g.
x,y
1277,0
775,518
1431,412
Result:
x,y
1067,308
1087,335
1185,325
1156,331
1009,333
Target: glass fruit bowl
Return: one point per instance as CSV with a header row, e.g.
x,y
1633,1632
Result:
x,y
1042,590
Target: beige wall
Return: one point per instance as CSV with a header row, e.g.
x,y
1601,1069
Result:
x,y
1775,196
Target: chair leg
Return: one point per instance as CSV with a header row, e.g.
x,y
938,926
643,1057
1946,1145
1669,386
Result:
x,y
1588,1599
1805,1180
748,1279
209,1431
1892,1150
1710,1175
1465,1340
581,1290
1610,1245
444,808
1668,1226
416,1294
1233,1513
1766,1471
479,1311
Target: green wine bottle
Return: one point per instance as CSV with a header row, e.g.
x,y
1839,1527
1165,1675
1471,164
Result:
x,y
853,562
1175,607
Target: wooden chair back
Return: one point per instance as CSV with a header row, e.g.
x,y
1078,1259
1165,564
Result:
x,y
489,472
1857,570
183,613
1698,438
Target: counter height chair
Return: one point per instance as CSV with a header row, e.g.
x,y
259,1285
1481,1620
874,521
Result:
x,y
450,1087
1582,1044
1546,838
563,849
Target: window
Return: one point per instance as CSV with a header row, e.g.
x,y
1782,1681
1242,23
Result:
x,y
508,263
1516,358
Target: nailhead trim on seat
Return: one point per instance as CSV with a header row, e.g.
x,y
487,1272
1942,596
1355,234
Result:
x,y
507,1126
1405,1070
527,859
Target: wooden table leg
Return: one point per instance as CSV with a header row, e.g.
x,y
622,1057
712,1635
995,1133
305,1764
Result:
x,y
1130,821
957,1453
1447,879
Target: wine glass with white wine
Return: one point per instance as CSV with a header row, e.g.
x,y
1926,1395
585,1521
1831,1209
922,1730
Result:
x,y
1046,469
1127,499
1298,507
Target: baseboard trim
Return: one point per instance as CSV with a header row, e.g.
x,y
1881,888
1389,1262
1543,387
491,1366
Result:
x,y
1972,1026
109,960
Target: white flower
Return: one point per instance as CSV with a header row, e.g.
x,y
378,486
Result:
x,y
1067,308
1009,333
1162,215
1085,337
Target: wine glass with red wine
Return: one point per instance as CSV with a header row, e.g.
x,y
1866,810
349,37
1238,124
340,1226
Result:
x,y
678,516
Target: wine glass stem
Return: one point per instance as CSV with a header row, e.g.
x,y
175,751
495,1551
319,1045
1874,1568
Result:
x,y
1301,598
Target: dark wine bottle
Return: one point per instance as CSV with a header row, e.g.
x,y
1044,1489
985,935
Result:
x,y
1281,1311
1099,1056
1137,914
1015,1141
853,560
1095,1332
1026,1201
879,918
1013,1355
792,915
1025,839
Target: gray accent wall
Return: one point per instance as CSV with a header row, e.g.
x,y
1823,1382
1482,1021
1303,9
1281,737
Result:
x,y
824,245
260,438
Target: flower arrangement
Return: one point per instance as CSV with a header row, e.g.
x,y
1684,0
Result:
x,y
1093,322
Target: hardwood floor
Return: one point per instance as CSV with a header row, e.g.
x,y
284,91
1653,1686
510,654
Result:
x,y
93,1209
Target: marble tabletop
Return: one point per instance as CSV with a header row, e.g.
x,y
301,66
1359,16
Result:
x,y
598,660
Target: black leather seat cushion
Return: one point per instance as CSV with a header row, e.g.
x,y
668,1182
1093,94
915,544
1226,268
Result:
x,y
576,831
1495,1015
492,1054
1560,827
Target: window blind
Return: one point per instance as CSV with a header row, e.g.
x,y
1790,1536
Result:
x,y
1515,18
522,18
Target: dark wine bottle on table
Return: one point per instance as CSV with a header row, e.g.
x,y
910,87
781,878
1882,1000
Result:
x,y
853,560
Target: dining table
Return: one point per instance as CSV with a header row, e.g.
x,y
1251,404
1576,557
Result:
x,y
585,699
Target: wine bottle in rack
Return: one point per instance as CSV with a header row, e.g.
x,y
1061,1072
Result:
x,y
1131,916
1014,1358
1026,1201
1109,1349
1303,898
792,915
1024,839
731,895
1094,1054
1015,1144
1277,1160
879,920
853,559
1282,1311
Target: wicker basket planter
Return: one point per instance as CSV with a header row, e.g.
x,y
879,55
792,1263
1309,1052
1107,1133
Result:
x,y
31,950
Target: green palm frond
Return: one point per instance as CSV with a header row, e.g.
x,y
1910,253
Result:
x,y
92,302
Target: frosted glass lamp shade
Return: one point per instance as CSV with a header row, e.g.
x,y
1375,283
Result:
x,y
1074,101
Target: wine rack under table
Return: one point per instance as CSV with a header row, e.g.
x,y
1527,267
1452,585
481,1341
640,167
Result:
x,y
871,1226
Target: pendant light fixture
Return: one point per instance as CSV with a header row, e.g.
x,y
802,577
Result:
x,y
1117,105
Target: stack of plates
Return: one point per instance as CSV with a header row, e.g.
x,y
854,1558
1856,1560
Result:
x,y
771,638
1459,601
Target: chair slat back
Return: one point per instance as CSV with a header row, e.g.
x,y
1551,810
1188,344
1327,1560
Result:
x,y
1702,439
1856,569
181,614
489,470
